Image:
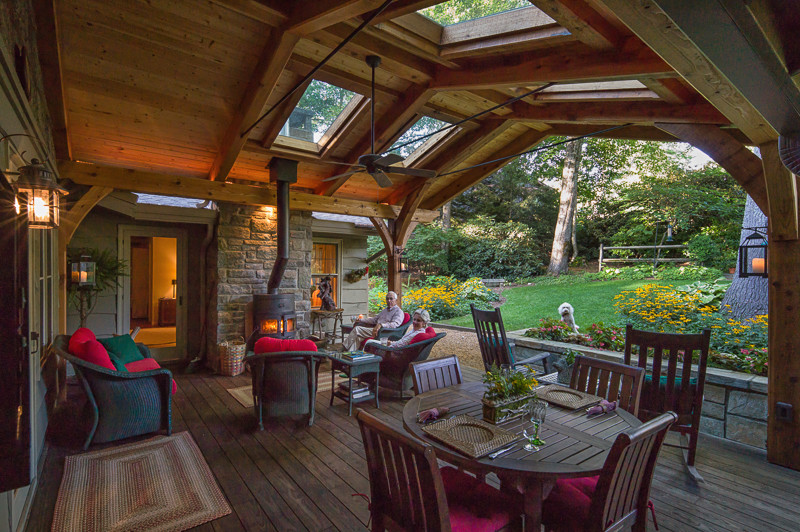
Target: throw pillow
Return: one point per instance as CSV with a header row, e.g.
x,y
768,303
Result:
x,y
146,364
268,344
427,335
93,352
78,337
122,349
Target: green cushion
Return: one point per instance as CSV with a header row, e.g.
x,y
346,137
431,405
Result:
x,y
663,380
122,350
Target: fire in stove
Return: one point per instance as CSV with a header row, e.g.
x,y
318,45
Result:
x,y
277,326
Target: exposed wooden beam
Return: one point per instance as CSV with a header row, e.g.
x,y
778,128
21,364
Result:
x,y
450,156
465,180
568,65
281,114
189,187
272,62
340,78
533,38
308,17
782,195
516,21
404,7
671,90
663,36
744,166
403,224
353,116
586,24
610,111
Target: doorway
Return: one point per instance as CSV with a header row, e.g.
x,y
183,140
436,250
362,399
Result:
x,y
152,295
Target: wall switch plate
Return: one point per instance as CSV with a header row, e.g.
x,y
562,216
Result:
x,y
783,411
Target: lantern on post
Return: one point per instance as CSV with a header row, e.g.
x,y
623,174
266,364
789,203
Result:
x,y
403,268
41,193
83,273
753,254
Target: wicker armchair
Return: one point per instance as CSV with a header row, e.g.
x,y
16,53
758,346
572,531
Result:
x,y
395,366
122,404
284,383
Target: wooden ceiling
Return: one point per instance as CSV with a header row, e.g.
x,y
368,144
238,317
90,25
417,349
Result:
x,y
167,88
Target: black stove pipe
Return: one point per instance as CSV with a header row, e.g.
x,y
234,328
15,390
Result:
x,y
282,236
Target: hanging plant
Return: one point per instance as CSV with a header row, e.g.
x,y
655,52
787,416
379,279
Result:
x,y
354,276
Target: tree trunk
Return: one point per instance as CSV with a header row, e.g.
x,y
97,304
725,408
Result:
x,y
748,296
446,226
574,237
569,184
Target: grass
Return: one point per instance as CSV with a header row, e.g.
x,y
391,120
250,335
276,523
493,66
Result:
x,y
593,302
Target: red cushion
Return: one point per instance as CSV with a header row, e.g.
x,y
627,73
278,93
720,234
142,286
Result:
x,y
78,337
428,334
406,318
93,352
567,506
268,344
146,364
474,505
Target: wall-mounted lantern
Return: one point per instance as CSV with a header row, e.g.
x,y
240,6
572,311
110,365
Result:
x,y
753,254
83,273
403,266
37,189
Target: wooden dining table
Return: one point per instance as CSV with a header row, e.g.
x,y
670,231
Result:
x,y
576,445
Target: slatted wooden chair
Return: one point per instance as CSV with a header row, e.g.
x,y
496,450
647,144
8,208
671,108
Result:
x,y
495,347
673,384
434,374
609,380
618,498
410,492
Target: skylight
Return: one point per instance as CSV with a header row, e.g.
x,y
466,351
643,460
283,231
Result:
x,y
424,126
455,11
316,111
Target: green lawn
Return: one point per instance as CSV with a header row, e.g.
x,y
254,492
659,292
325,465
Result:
x,y
593,302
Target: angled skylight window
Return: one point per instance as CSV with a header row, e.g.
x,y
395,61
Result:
x,y
456,11
411,140
316,111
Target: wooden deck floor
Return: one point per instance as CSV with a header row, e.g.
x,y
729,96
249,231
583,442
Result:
x,y
293,477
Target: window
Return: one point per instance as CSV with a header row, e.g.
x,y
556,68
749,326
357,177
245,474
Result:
x,y
456,11
316,111
325,263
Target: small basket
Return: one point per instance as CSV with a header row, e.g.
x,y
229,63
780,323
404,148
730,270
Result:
x,y
231,357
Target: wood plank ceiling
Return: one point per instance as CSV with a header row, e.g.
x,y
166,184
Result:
x,y
169,86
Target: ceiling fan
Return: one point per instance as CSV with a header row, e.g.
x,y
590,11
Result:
x,y
376,165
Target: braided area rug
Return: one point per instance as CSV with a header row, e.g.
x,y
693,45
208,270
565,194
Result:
x,y
161,484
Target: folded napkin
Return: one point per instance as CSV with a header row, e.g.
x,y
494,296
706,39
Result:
x,y
431,414
601,408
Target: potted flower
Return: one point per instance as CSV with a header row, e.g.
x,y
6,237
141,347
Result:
x,y
507,393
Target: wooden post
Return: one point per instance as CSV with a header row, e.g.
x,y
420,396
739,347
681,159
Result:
x,y
600,261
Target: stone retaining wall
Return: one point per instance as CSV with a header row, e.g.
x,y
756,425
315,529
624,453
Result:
x,y
734,404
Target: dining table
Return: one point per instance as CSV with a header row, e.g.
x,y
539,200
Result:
x,y
576,445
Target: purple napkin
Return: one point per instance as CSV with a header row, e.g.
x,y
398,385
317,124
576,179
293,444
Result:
x,y
601,408
431,414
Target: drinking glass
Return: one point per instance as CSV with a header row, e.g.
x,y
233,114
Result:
x,y
537,410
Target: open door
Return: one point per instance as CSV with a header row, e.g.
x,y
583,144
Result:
x,y
151,299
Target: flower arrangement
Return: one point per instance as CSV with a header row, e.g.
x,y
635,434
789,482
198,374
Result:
x,y
354,276
507,393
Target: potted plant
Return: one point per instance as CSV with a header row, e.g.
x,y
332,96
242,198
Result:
x,y
108,270
564,365
507,394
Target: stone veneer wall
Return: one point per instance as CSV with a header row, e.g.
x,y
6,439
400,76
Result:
x,y
245,253
734,404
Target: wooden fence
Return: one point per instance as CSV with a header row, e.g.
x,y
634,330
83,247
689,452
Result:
x,y
655,259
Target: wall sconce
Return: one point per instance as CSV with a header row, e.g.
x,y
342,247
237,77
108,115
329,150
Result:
x,y
753,254
40,193
403,268
83,273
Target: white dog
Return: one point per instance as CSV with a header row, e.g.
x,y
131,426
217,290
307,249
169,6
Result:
x,y
568,315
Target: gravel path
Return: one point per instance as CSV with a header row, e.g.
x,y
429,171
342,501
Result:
x,y
464,344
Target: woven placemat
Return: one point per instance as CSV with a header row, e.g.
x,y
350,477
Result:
x,y
473,437
566,397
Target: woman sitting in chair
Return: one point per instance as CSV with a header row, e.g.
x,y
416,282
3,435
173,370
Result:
x,y
419,322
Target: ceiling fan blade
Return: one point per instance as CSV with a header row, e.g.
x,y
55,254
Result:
x,y
381,178
389,158
417,172
335,177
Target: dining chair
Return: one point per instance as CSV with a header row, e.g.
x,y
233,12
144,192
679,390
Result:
x,y
434,374
673,384
495,347
410,492
618,498
610,380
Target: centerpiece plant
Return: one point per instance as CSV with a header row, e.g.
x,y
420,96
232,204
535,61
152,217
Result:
x,y
507,393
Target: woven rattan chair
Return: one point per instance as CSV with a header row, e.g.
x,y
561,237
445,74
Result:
x,y
395,366
618,498
495,347
122,404
434,374
673,384
284,383
610,380
410,492
392,333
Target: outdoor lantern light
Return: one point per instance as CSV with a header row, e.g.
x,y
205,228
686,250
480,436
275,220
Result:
x,y
403,265
83,272
753,254
40,193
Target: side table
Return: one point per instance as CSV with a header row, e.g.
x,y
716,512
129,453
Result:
x,y
354,369
318,315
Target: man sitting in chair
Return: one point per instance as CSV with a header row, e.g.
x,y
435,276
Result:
x,y
391,317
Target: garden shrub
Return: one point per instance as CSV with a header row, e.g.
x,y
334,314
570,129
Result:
x,y
599,335
442,296
709,293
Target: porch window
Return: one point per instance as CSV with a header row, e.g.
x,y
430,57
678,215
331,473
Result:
x,y
325,262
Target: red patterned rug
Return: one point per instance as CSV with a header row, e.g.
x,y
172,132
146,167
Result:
x,y
161,484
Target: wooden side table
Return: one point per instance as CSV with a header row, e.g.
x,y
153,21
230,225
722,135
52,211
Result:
x,y
318,315
354,369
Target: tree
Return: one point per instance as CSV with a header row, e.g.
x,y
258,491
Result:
x,y
454,11
566,213
748,296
